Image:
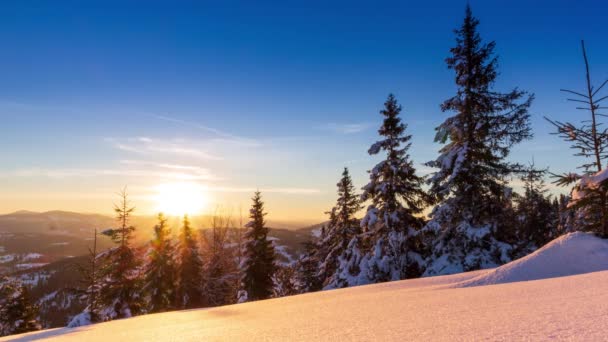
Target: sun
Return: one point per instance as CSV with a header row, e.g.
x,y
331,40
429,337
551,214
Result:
x,y
181,198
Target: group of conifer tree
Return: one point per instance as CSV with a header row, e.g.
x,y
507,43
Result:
x,y
198,269
475,220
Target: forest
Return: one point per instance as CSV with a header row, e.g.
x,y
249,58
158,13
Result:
x,y
465,216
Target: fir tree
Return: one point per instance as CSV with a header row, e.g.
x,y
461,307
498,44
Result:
x,y
390,226
474,201
590,140
342,227
91,283
535,212
566,217
160,269
189,270
17,313
285,281
120,291
259,263
307,269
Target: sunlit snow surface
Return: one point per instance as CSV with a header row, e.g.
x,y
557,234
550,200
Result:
x,y
493,304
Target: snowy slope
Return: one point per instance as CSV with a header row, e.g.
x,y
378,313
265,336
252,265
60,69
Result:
x,y
573,307
574,253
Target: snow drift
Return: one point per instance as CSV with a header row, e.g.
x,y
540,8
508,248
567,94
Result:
x,y
569,306
571,254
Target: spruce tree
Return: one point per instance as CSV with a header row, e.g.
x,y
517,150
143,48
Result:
x,y
470,185
285,281
389,237
259,263
120,291
89,293
567,220
590,140
189,269
342,227
160,269
307,269
535,212
17,313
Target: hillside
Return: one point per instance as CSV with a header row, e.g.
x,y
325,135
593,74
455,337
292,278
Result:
x,y
571,305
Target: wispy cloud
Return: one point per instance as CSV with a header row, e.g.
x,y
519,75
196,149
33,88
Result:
x,y
149,146
345,128
219,134
186,175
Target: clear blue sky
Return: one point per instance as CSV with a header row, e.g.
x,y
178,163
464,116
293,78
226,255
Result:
x,y
243,95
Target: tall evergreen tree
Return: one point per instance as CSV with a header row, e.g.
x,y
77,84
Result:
x,y
160,271
389,238
567,219
285,281
259,263
17,313
89,293
342,227
471,182
535,212
189,269
590,140
307,269
120,291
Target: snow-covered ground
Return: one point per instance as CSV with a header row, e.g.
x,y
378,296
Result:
x,y
550,294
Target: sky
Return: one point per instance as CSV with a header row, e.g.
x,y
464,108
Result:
x,y
229,97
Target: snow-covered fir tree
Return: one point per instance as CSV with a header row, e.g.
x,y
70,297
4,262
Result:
x,y
388,247
307,269
189,269
342,227
566,216
259,263
121,287
590,194
285,281
159,269
17,313
536,215
474,201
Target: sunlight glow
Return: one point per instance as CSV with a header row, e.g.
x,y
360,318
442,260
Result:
x,y
181,198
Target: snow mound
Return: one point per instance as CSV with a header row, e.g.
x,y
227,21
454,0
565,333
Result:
x,y
570,254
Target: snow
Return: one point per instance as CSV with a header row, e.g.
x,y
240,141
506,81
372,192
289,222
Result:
x,y
587,182
508,303
31,265
571,254
31,256
7,258
82,319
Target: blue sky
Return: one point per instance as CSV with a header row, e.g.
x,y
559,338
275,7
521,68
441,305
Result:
x,y
243,95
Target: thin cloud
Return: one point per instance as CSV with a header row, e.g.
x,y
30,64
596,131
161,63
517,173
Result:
x,y
191,175
149,146
346,128
224,136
